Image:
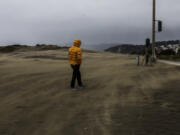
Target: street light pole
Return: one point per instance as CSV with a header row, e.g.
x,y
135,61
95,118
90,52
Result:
x,y
154,29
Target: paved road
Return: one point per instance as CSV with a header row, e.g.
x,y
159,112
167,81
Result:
x,y
170,62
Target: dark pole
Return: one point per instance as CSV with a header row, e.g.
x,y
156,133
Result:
x,y
154,29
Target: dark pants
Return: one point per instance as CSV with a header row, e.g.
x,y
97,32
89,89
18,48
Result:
x,y
147,59
76,74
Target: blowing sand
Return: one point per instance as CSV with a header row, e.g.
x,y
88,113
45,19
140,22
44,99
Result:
x,y
120,98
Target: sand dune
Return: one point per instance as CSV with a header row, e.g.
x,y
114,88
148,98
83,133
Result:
x,y
120,98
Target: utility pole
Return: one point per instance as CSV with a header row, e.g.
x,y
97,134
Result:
x,y
154,30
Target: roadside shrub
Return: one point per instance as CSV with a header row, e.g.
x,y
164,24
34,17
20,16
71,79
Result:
x,y
168,52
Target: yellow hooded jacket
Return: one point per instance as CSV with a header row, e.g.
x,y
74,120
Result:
x,y
75,53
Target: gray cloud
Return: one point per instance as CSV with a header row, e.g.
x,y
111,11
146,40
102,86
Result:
x,y
93,21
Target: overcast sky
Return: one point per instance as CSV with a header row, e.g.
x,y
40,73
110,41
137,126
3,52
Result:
x,y
93,21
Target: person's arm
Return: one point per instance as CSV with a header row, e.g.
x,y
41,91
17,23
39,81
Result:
x,y
79,56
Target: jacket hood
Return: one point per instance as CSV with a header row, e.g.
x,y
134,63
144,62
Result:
x,y
77,42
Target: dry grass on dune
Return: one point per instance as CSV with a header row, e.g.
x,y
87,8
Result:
x,y
120,97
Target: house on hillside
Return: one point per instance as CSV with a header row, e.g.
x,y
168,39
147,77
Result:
x,y
171,49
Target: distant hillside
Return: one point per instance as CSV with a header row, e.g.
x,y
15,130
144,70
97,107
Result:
x,y
161,47
127,49
39,47
170,42
99,47
107,46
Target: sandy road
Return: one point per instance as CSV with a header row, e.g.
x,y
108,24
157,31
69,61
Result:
x,y
120,97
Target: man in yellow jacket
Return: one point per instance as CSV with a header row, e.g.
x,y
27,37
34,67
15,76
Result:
x,y
75,59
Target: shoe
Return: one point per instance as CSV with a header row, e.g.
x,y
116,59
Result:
x,y
81,87
74,89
